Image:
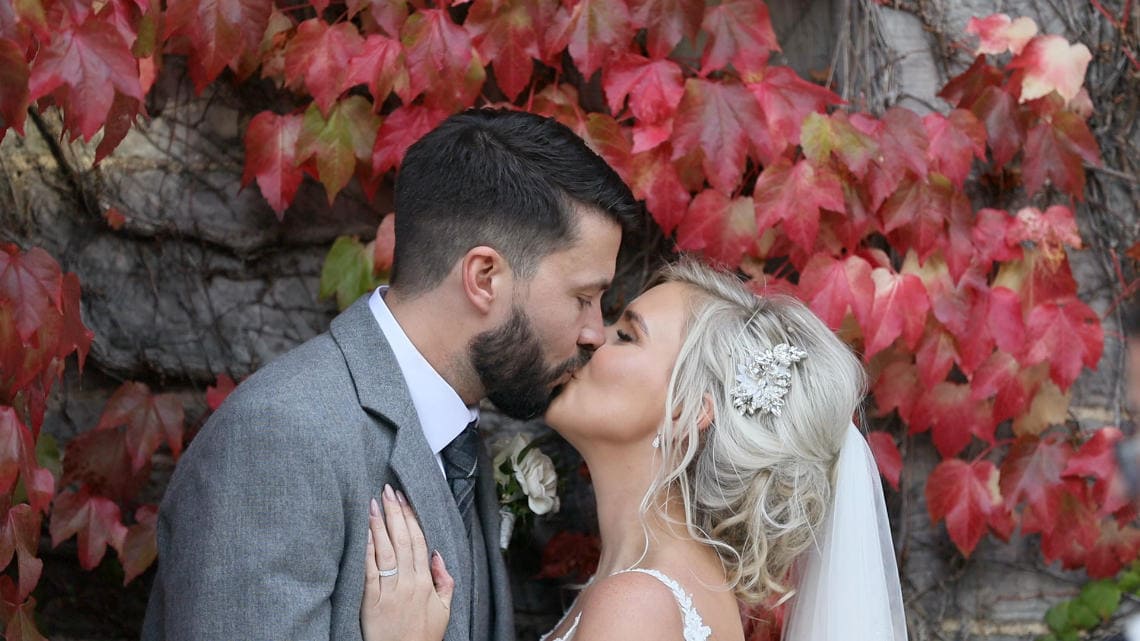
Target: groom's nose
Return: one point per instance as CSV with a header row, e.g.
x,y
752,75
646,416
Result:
x,y
593,333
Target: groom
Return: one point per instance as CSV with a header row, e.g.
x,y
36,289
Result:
x,y
507,231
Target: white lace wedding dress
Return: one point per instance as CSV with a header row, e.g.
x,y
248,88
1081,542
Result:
x,y
695,628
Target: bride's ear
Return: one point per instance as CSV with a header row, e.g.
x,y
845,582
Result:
x,y
705,420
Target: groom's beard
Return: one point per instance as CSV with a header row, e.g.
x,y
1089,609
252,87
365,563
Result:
x,y
510,364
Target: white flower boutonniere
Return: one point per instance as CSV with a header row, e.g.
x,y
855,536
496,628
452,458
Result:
x,y
527,483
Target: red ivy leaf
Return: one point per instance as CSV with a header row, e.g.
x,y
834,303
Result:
x,y
385,244
993,236
952,418
654,179
220,31
216,394
964,494
897,387
1004,126
999,33
965,88
593,29
740,32
1067,334
271,158
101,461
1096,459
1031,473
94,518
570,554
140,546
1051,230
1049,63
723,229
899,309
787,99
14,76
21,620
832,287
822,136
15,448
32,284
20,535
506,35
654,89
1116,547
1054,151
380,65
719,120
954,143
794,195
1075,529
667,22
318,58
887,456
400,129
148,419
440,56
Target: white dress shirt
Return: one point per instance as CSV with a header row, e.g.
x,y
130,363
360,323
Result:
x,y
442,414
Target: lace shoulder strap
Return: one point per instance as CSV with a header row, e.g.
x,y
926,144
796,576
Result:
x,y
695,628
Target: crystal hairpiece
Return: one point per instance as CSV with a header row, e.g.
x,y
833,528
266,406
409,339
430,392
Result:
x,y
762,379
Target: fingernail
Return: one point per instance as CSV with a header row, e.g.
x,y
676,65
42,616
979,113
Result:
x,y
370,530
373,509
388,493
403,499
434,553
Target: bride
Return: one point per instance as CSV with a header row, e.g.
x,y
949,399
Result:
x,y
717,428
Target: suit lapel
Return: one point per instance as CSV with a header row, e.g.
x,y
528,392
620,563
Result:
x,y
500,582
382,391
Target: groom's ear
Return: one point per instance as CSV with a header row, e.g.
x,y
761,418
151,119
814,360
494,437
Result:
x,y
485,277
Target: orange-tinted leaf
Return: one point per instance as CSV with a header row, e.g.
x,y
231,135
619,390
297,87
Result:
x,y
721,228
964,494
318,58
794,195
22,621
14,76
594,30
93,518
140,547
999,33
219,32
1031,474
380,65
833,287
720,120
887,456
667,22
506,34
20,535
1049,63
338,142
822,136
1065,333
271,158
216,394
148,419
1054,151
740,32
899,309
385,244
1049,405
400,130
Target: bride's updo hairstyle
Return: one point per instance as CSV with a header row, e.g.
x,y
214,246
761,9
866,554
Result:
x,y
755,487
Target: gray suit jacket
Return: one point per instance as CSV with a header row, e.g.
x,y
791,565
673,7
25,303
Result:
x,y
262,531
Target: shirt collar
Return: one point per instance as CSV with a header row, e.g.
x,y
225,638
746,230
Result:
x,y
442,413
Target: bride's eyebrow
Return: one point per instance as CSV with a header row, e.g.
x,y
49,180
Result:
x,y
637,319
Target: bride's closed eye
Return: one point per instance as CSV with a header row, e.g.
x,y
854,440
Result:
x,y
624,337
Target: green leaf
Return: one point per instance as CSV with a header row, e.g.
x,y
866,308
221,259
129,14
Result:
x,y
1102,597
1130,581
47,454
1057,617
1082,616
339,141
347,272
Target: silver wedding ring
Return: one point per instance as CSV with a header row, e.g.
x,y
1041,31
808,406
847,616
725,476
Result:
x,y
387,573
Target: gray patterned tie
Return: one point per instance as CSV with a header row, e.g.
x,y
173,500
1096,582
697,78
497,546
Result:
x,y
460,458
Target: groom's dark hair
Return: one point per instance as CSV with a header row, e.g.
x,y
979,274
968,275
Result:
x,y
509,180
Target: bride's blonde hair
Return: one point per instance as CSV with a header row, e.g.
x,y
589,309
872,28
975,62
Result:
x,y
755,488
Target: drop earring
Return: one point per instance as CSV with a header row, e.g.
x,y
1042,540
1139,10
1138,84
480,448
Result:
x,y
657,441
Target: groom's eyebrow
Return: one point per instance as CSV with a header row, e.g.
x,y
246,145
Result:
x,y
636,319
